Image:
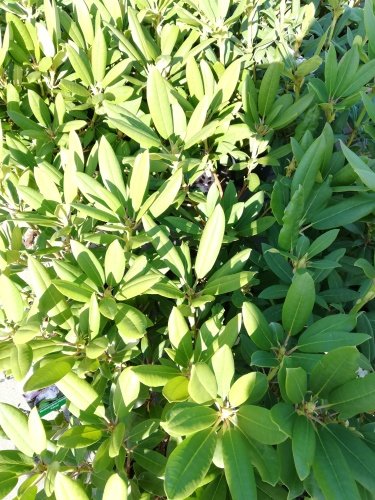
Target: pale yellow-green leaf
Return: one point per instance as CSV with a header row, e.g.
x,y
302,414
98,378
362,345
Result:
x,y
67,488
37,433
158,103
139,179
210,243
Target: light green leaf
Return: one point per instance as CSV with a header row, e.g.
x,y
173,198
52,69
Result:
x,y
11,299
37,433
296,384
188,418
299,303
210,243
88,263
65,487
80,65
78,391
115,487
99,56
80,436
139,180
334,369
363,171
158,103
202,384
256,423
155,375
237,465
114,263
14,424
110,170
21,357
188,464
167,194
48,374
223,364
257,326
248,388
354,396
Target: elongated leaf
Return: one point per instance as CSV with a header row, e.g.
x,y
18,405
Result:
x,y
110,170
202,384
80,436
14,423
65,487
210,244
269,88
188,419
11,299
344,212
88,263
331,470
354,396
188,464
363,171
48,374
299,303
21,357
303,446
256,423
257,327
78,391
81,65
139,180
158,103
237,465
167,194
292,220
99,56
334,369
115,487
155,375
37,433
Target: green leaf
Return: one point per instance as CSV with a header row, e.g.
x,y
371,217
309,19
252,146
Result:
x,y
165,248
303,446
65,487
359,456
99,56
186,419
14,424
7,483
95,193
257,326
78,391
37,433
188,464
134,128
176,389
296,384
299,303
237,465
141,37
202,384
226,284
39,108
115,487
75,291
321,243
158,103
256,423
308,167
269,88
114,263
292,113
223,366
88,263
138,286
167,194
110,170
363,171
21,357
155,375
131,323
334,369
139,180
292,220
248,388
80,436
354,396
48,374
331,470
80,65
344,212
210,243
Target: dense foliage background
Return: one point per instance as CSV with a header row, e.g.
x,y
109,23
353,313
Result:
x,y
187,247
